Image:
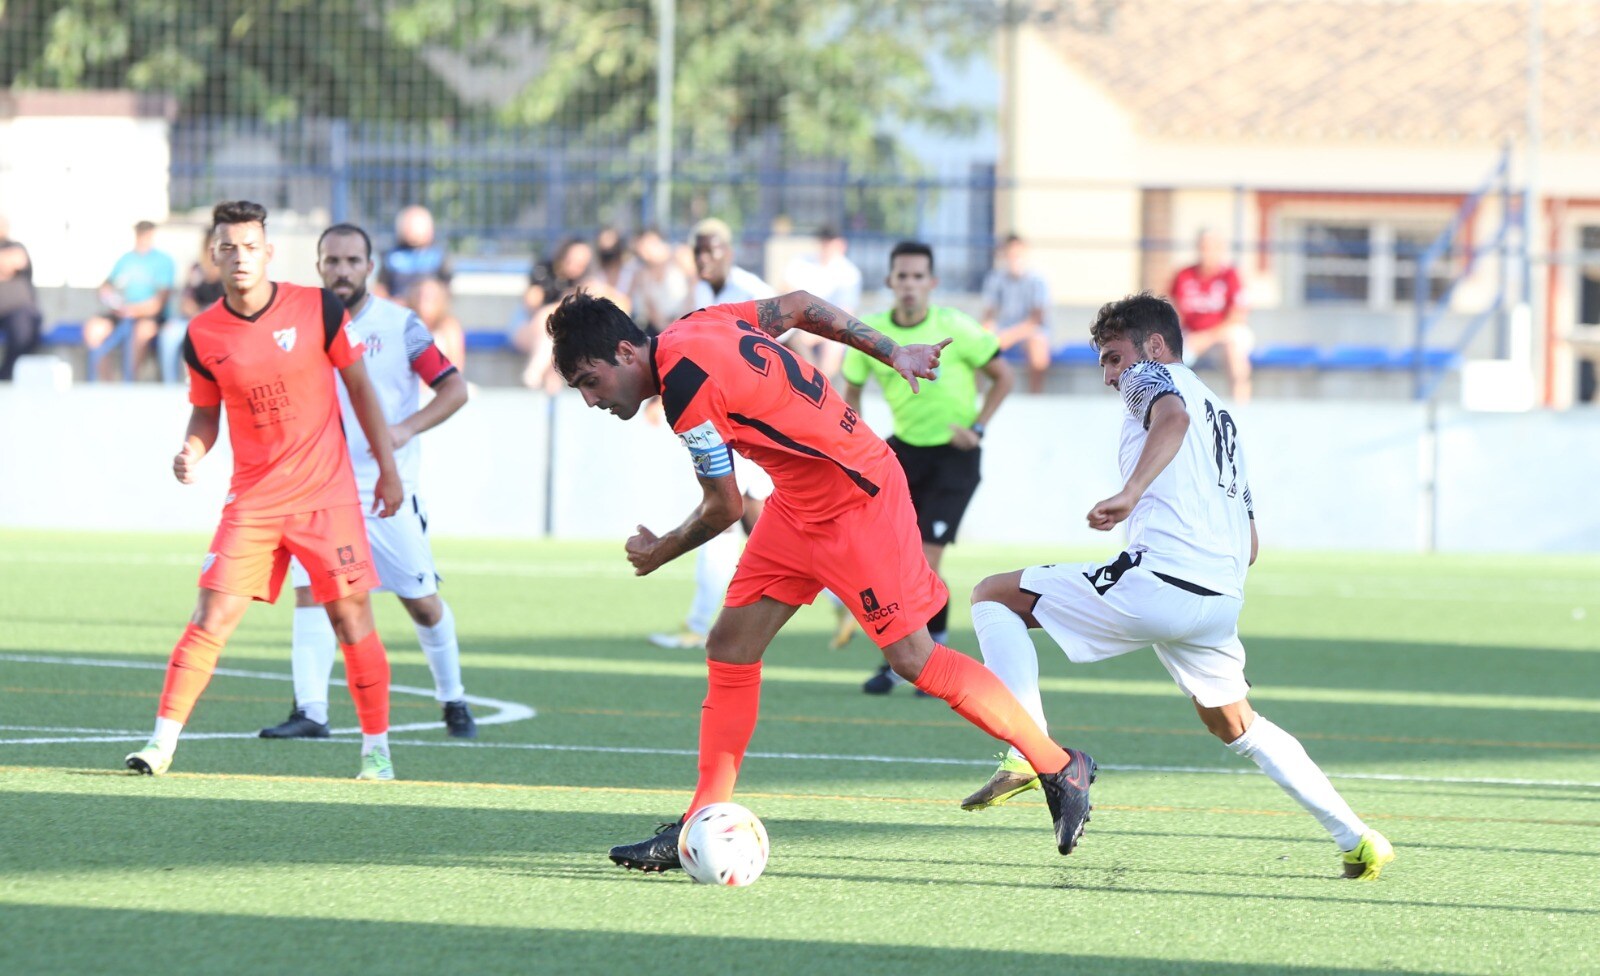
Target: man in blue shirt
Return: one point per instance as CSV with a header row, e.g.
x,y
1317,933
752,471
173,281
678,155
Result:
x,y
415,256
1016,308
136,293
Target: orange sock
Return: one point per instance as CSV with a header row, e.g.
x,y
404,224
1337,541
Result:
x,y
727,720
188,672
978,696
366,668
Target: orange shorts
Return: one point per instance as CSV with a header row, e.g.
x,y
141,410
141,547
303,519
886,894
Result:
x,y
870,557
250,556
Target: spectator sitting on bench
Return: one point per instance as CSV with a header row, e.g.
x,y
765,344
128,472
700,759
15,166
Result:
x,y
200,292
571,268
20,321
1016,308
415,256
430,299
1209,298
135,297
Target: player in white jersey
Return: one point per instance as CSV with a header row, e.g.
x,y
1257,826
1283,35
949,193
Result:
x,y
400,352
1179,585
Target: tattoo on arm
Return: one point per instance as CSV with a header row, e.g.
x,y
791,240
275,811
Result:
x,y
770,317
696,533
823,321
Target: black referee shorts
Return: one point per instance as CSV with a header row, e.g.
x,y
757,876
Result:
x,y
942,480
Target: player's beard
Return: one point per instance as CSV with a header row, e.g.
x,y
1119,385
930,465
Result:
x,y
356,297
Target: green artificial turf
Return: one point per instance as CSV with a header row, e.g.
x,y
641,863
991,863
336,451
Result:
x,y
1455,701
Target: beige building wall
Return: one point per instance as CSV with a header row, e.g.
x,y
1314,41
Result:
x,y
77,171
1073,156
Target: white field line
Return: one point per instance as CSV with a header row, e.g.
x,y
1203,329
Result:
x,y
506,711
512,711
804,757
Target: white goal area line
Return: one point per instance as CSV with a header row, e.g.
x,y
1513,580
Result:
x,y
505,711
513,711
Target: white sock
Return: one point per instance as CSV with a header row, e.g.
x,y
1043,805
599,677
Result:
x,y
714,564
1008,651
166,734
1282,757
380,742
444,656
311,656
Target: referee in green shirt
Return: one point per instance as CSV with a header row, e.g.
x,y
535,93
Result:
x,y
938,433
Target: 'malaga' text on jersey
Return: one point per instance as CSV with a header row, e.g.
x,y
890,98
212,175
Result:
x,y
274,373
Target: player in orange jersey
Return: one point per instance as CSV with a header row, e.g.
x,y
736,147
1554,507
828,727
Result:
x,y
268,352
839,517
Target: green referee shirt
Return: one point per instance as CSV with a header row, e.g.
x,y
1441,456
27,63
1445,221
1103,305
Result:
x,y
924,419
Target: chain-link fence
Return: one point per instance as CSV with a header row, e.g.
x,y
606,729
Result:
x,y
525,123
1329,141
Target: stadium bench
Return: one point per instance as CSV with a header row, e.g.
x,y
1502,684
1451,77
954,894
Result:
x,y
63,334
488,342
1432,359
1356,357
1285,357
1075,354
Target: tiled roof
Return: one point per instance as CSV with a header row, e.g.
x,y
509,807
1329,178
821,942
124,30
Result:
x,y
1426,71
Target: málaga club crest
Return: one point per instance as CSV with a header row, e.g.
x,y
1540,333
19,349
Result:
x,y
285,338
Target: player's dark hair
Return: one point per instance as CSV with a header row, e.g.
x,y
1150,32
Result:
x,y
1012,238
912,248
144,227
584,327
1136,318
238,212
345,229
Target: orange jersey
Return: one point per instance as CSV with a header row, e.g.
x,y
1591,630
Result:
x,y
725,384
274,371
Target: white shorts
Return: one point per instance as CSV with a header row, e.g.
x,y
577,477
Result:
x,y
400,551
1095,612
753,480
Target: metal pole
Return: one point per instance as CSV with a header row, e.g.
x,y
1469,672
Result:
x,y
1530,195
666,29
1010,40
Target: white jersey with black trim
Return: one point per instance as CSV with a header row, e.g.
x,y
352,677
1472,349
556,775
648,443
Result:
x,y
394,338
1193,523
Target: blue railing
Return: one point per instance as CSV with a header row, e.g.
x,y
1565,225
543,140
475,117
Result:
x,y
504,190
1429,366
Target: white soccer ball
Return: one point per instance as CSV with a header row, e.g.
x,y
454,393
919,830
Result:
x,y
723,844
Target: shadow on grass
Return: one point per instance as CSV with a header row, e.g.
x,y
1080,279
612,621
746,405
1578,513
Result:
x,y
101,940
145,833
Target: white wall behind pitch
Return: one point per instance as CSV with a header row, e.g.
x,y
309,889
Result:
x,y
1325,474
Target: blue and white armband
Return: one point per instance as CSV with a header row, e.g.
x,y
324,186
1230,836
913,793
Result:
x,y
712,456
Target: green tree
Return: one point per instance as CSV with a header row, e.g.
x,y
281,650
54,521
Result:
x,y
824,78
269,59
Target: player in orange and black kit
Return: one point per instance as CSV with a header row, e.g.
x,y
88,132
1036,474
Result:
x,y
839,517
267,351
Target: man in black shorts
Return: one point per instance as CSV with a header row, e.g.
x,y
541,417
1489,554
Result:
x,y
938,433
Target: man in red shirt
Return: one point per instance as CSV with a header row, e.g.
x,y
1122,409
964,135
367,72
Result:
x,y
839,517
268,352
1210,302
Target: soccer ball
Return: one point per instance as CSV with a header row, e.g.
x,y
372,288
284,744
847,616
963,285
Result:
x,y
723,844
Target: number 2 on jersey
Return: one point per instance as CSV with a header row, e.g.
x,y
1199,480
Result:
x,y
1224,442
755,349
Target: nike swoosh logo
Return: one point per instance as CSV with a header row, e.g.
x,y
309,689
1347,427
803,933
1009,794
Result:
x,y
879,630
353,580
221,359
